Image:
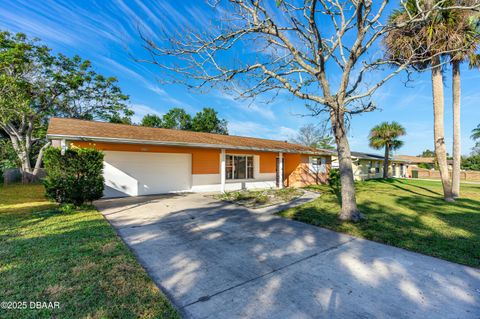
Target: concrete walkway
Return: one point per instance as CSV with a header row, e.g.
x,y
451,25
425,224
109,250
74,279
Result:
x,y
217,260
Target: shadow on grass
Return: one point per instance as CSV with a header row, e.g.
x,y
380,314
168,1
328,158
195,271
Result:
x,y
394,183
418,222
77,260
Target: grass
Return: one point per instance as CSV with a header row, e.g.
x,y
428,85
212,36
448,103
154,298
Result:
x,y
410,214
261,198
73,258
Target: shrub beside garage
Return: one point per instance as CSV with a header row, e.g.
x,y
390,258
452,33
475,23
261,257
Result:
x,y
74,177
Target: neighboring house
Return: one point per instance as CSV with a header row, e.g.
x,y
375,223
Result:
x,y
368,166
417,163
143,160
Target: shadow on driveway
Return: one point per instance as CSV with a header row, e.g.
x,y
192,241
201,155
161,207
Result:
x,y
217,260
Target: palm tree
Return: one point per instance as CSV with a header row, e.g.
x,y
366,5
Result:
x,y
476,133
426,44
385,135
466,24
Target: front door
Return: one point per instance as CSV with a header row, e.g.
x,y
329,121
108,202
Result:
x,y
278,171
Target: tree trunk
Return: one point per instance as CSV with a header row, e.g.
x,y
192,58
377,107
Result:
x,y
24,159
26,168
349,210
385,161
38,163
439,129
457,157
22,142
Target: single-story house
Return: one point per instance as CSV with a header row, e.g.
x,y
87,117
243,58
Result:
x,y
419,166
416,163
368,166
142,160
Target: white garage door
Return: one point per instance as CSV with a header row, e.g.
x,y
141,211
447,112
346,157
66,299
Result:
x,y
132,173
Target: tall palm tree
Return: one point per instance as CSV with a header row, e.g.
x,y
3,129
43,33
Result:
x,y
426,44
385,135
467,25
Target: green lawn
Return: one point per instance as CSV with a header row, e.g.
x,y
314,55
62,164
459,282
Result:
x,y
73,258
406,213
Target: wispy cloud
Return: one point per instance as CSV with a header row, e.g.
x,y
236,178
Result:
x,y
64,24
254,129
169,99
157,89
141,110
20,23
133,19
106,32
116,66
248,106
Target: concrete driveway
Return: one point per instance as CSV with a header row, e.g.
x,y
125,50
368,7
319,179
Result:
x,y
216,260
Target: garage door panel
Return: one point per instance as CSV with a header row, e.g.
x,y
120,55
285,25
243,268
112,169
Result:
x,y
132,174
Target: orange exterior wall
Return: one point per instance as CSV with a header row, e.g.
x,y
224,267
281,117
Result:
x,y
204,160
298,173
207,160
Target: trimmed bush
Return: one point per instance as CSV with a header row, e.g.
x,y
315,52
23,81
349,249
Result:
x,y
75,177
334,178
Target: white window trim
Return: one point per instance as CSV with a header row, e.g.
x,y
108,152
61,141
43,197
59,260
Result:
x,y
314,167
233,180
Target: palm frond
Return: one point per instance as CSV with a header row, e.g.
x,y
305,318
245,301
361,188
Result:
x,y
476,133
386,134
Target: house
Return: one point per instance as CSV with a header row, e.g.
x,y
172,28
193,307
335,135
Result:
x,y
142,160
416,164
368,166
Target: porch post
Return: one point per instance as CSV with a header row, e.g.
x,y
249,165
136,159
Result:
x,y
280,170
63,146
223,171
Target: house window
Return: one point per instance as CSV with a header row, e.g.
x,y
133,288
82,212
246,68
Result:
x,y
239,167
377,167
318,164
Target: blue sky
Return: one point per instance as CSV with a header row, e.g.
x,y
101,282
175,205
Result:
x,y
105,32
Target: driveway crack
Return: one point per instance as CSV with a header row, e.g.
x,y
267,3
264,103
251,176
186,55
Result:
x,y
318,253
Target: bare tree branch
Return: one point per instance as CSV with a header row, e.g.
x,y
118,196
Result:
x,y
320,51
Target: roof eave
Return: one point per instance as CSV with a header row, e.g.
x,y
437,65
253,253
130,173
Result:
x,y
184,144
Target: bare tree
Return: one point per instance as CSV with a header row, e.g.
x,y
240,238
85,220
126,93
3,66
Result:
x,y
317,50
313,136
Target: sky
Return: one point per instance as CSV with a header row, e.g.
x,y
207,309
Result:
x,y
107,33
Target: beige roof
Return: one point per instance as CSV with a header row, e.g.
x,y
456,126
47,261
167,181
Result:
x,y
73,129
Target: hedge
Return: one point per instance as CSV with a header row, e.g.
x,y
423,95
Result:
x,y
74,177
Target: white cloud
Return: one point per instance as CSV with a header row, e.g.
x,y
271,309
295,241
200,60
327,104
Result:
x,y
133,19
157,89
246,128
287,131
115,66
254,129
264,111
172,102
141,110
19,23
65,24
